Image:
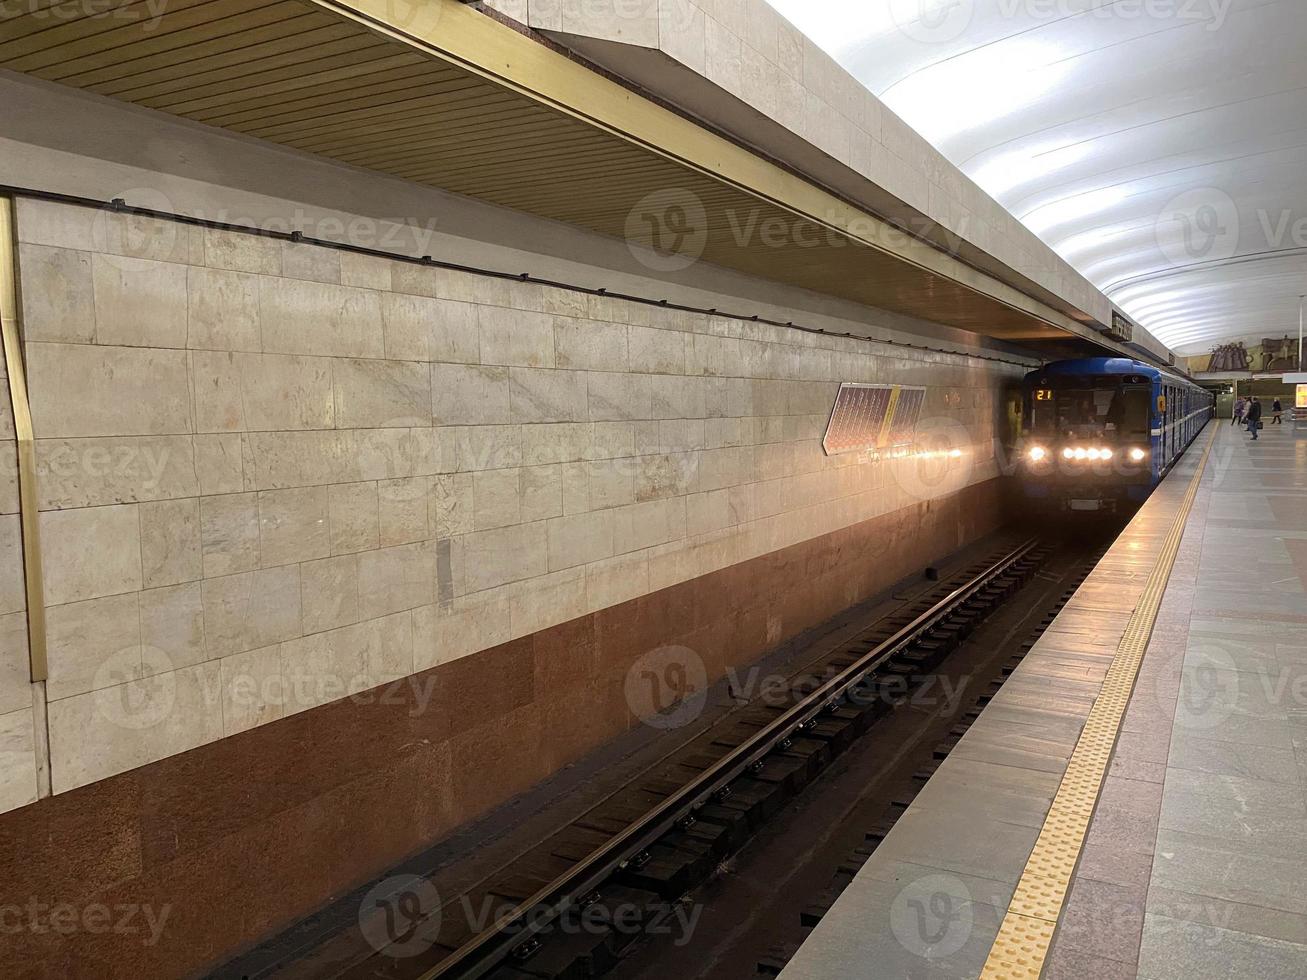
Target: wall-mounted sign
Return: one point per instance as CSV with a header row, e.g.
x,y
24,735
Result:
x,y
867,417
857,418
905,412
1121,329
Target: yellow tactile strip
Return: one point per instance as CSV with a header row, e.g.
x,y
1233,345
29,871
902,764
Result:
x,y
1027,930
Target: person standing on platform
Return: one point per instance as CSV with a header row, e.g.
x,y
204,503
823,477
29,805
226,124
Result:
x,y
1237,417
1277,410
1254,415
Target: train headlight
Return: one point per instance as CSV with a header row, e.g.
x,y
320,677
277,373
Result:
x,y
1137,455
1068,453
1094,454
1106,454
1081,454
1038,453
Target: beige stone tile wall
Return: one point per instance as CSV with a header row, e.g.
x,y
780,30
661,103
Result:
x,y
273,474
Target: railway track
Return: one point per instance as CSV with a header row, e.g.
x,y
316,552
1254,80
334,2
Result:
x,y
580,900
582,894
778,888
1010,635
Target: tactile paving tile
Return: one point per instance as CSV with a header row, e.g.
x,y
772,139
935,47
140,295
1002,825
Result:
x,y
1021,947
1039,898
1027,929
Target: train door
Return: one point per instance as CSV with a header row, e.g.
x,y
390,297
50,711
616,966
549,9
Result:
x,y
1168,416
1173,407
1179,419
1176,414
1162,406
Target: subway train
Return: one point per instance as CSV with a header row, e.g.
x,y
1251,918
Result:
x,y
1099,433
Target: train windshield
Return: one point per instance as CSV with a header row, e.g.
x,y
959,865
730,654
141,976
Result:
x,y
1109,413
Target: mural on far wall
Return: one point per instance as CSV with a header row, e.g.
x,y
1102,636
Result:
x,y
1271,355
1229,357
1279,355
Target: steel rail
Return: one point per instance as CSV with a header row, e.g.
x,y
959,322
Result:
x,y
487,950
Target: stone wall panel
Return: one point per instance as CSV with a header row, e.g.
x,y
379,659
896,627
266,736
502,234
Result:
x,y
274,476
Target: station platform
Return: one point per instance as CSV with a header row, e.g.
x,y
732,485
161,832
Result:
x,y
1131,802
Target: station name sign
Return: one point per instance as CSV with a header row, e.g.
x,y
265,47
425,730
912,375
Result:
x,y
1121,328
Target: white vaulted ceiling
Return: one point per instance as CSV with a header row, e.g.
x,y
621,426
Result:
x,y
1159,146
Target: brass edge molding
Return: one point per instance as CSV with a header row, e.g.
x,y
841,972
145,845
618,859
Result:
x,y
1025,936
29,518
460,35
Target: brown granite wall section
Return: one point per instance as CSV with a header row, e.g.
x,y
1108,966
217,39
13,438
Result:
x,y
240,837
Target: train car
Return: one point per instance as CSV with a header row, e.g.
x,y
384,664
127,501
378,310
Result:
x,y
1100,432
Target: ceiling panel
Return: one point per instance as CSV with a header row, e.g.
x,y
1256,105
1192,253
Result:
x,y
1159,146
302,75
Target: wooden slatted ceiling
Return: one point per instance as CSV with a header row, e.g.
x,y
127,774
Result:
x,y
297,75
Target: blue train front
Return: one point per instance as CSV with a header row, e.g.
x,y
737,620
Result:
x,y
1099,433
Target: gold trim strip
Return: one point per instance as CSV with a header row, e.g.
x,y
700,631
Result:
x,y
11,329
462,36
882,440
1026,933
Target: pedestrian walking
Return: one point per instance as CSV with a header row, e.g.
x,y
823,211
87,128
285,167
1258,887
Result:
x,y
1277,410
1254,415
1239,406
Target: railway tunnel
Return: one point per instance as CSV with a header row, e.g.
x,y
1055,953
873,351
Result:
x,y
494,489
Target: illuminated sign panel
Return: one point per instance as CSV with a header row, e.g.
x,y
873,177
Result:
x,y
868,417
904,416
1121,328
857,419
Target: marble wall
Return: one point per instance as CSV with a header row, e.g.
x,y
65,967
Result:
x,y
272,474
